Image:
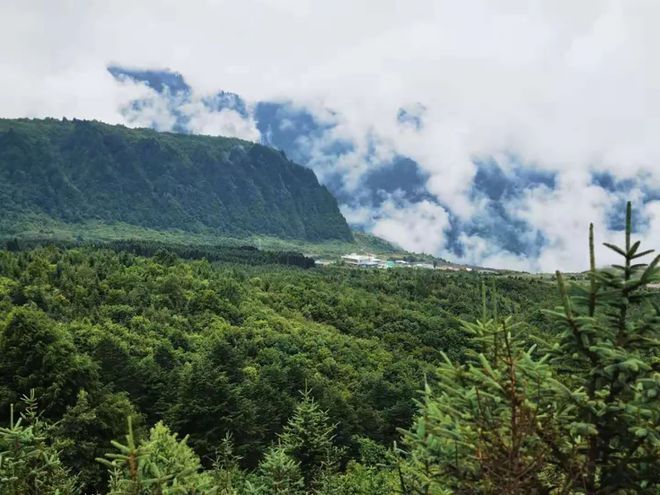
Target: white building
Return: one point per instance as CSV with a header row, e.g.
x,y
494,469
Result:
x,y
366,260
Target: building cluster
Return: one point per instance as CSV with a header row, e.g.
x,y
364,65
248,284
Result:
x,y
364,260
372,261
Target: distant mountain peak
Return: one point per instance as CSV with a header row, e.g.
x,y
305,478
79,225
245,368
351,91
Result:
x,y
161,81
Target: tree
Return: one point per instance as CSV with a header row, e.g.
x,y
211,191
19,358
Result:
x,y
610,424
86,429
13,245
29,465
359,479
228,477
372,475
160,465
476,430
308,439
280,473
581,414
35,353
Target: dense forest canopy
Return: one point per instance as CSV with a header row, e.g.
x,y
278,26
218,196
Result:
x,y
143,368
78,171
213,349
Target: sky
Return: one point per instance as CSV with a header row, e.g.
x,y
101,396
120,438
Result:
x,y
485,132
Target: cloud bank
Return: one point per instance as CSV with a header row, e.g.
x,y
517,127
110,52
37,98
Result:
x,y
484,132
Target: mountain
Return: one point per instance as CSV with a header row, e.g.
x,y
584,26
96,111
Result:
x,y
78,171
292,128
383,184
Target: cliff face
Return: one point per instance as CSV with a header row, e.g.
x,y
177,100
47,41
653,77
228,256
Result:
x,y
74,171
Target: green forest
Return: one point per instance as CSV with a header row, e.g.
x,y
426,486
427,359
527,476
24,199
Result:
x,y
140,368
57,174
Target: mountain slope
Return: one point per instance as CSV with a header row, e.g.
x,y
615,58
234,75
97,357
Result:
x,y
76,171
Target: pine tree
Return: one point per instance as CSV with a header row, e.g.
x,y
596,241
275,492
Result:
x,y
579,414
228,477
13,245
86,429
280,474
308,439
160,465
36,353
476,429
373,474
610,424
29,464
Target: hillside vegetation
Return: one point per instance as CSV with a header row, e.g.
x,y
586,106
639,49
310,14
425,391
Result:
x,y
216,349
152,368
55,174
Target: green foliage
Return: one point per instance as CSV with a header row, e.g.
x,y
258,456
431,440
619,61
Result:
x,y
609,428
476,431
279,473
308,439
228,477
163,333
29,465
36,354
373,473
74,171
371,453
217,348
160,465
86,429
166,253
359,479
580,415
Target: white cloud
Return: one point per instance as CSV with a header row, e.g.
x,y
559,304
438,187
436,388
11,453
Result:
x,y
563,215
358,215
418,227
225,122
153,111
480,251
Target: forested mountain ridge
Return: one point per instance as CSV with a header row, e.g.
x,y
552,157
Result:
x,y
77,171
